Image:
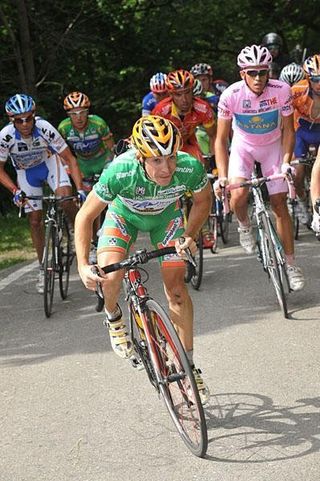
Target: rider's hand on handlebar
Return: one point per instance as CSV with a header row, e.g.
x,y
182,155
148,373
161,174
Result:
x,y
218,184
90,277
19,197
288,169
184,243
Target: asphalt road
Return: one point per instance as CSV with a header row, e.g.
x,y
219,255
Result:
x,y
72,410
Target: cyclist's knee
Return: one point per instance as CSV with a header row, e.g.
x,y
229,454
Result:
x,y
279,205
177,292
35,219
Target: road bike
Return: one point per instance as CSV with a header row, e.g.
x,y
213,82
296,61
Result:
x,y
58,251
159,351
194,266
218,222
307,162
269,247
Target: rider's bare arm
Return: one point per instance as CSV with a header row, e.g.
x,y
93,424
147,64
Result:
x,y
5,179
212,132
83,235
71,161
315,179
288,138
222,146
201,206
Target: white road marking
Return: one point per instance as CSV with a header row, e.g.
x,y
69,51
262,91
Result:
x,y
16,274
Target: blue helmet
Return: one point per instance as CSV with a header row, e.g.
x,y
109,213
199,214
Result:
x,y
19,104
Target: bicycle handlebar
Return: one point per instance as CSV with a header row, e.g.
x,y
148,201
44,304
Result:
x,y
302,161
255,182
140,257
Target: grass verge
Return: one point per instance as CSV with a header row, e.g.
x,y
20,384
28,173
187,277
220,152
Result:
x,y
15,240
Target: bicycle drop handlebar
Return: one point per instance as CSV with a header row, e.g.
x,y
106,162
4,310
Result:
x,y
256,182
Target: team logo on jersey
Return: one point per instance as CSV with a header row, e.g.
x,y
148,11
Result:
x,y
22,147
140,191
267,102
36,143
246,104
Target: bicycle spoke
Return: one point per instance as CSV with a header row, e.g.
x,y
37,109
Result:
x,y
177,384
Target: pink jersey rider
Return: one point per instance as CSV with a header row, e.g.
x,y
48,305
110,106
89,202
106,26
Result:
x,y
257,128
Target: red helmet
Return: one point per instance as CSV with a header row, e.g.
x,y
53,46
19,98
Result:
x,y
179,79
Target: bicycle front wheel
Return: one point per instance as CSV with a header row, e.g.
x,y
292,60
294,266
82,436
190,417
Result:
x,y
64,256
176,381
272,265
224,224
197,272
49,266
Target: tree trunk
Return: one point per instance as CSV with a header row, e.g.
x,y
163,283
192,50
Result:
x,y
26,47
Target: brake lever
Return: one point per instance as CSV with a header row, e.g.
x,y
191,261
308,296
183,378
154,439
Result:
x,y
187,251
98,291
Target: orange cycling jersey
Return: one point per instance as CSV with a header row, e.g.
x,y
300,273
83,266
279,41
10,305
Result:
x,y
302,103
201,113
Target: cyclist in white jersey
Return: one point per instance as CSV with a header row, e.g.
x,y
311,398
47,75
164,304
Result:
x,y
35,147
262,114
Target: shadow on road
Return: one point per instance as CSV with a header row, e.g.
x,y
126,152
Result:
x,y
250,428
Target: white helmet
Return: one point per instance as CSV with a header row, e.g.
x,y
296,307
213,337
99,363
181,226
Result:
x,y
254,56
197,88
292,73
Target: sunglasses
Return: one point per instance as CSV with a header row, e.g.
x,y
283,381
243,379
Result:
x,y
23,120
254,73
77,113
315,80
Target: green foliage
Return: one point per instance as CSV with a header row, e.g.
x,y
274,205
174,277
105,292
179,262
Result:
x,y
15,240
111,48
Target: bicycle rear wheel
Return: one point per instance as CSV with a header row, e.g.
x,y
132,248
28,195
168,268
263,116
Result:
x,y
64,256
197,272
175,379
272,264
49,266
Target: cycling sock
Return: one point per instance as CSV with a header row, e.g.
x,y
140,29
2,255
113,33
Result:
x,y
115,315
244,225
290,259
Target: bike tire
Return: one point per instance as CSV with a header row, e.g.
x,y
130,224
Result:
x,y
64,257
224,222
49,268
276,272
295,219
197,274
175,379
213,229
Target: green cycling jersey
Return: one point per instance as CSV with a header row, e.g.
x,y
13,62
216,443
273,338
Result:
x,y
125,183
88,146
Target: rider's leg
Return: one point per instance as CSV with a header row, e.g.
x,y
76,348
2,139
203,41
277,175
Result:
x,y
283,221
35,219
113,245
180,304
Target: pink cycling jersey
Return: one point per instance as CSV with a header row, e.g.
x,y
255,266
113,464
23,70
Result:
x,y
256,118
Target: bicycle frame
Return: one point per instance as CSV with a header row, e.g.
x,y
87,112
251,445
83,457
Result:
x,y
271,252
160,351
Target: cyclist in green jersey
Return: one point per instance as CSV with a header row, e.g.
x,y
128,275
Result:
x,y
144,186
91,141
